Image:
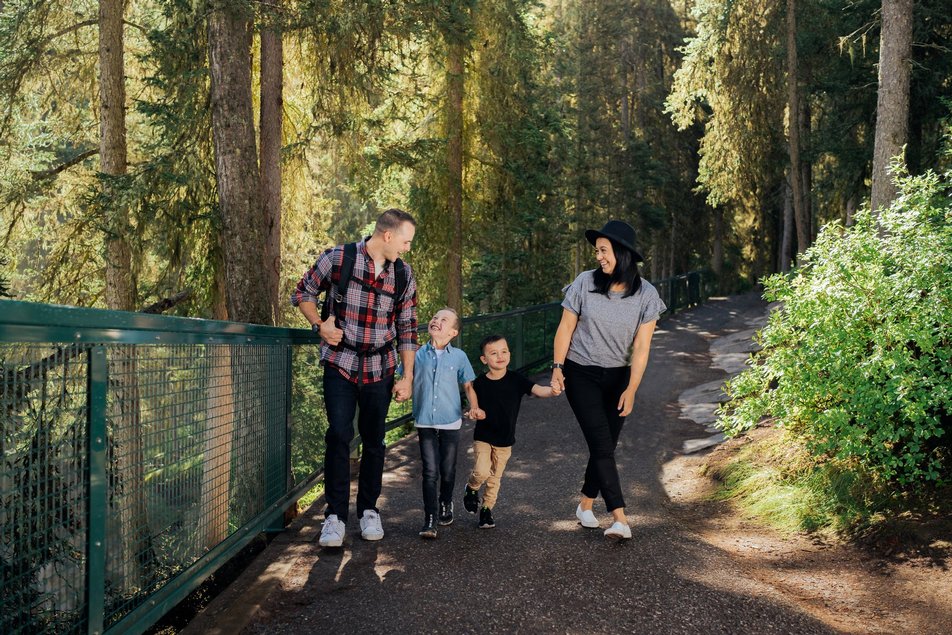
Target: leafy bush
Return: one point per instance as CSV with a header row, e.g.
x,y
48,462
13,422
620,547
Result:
x,y
856,362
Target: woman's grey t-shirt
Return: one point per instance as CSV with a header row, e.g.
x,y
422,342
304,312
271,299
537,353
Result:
x,y
607,325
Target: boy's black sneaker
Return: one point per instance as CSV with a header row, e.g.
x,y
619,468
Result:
x,y
471,500
446,513
429,527
486,518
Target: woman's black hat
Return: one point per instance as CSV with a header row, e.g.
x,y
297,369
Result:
x,y
619,231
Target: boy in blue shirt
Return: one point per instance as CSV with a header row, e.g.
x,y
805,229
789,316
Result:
x,y
439,369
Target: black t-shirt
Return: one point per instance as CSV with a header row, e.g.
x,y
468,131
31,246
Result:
x,y
500,399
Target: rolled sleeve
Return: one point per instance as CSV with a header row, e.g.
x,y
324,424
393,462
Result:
x,y
316,280
465,372
573,295
406,321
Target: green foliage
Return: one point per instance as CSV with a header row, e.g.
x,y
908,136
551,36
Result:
x,y
776,480
858,360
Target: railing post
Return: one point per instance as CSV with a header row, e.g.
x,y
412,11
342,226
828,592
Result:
x,y
97,496
520,352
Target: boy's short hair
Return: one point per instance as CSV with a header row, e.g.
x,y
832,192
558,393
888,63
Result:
x,y
490,339
391,219
459,322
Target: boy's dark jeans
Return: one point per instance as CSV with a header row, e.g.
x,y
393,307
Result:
x,y
593,393
341,400
438,451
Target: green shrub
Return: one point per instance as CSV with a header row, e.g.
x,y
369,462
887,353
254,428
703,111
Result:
x,y
856,362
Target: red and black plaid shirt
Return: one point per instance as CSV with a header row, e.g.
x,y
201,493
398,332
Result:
x,y
370,321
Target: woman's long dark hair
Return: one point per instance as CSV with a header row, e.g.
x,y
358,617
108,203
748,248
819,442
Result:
x,y
626,272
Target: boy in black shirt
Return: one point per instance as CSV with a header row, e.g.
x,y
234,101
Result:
x,y
499,392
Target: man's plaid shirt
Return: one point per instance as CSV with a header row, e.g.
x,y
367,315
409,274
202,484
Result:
x,y
371,321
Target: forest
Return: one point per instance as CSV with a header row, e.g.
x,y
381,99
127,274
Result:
x,y
203,152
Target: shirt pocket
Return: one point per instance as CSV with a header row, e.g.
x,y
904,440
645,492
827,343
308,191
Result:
x,y
384,305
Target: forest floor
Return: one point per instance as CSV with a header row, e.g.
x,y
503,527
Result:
x,y
900,581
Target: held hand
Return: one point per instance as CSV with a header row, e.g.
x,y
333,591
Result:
x,y
626,402
476,414
557,382
403,389
329,331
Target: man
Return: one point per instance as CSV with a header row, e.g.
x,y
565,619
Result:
x,y
377,308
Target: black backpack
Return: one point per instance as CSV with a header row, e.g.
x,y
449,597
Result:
x,y
345,271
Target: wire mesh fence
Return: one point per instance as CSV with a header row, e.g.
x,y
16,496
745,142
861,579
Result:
x,y
142,452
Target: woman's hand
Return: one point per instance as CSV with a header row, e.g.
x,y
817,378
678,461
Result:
x,y
626,402
557,382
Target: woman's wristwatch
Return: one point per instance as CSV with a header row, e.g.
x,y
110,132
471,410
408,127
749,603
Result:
x,y
557,365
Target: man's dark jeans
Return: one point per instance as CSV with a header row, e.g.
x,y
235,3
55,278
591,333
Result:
x,y
438,451
593,393
342,399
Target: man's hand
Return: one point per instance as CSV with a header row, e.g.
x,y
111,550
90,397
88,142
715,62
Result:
x,y
329,331
475,414
403,388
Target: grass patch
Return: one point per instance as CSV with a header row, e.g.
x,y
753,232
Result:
x,y
775,480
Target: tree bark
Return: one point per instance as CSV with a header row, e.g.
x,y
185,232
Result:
x,y
456,52
793,118
120,283
131,554
243,231
786,236
271,127
892,102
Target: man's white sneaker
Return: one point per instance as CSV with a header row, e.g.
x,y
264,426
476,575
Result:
x,y
586,517
332,533
618,531
370,526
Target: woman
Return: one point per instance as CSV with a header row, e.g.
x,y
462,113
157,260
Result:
x,y
601,349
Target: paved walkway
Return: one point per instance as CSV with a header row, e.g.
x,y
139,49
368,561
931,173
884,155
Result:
x,y
538,570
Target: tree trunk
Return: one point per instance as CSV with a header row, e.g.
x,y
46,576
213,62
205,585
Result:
x,y
786,236
271,127
456,52
130,555
793,119
120,284
892,102
243,231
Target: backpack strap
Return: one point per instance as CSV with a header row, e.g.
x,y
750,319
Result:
x,y
344,273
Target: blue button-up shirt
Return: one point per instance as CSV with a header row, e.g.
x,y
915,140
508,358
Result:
x,y
436,382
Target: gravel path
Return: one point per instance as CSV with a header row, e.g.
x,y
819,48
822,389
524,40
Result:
x,y
538,570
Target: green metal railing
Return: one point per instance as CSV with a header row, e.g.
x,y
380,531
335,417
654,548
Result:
x,y
141,452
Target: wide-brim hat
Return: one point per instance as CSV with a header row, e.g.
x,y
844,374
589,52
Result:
x,y
619,231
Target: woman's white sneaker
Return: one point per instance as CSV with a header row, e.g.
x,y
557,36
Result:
x,y
618,531
586,517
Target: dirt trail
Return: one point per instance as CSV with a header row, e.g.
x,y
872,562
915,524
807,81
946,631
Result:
x,y
691,567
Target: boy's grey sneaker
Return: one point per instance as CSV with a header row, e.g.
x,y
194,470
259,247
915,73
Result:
x,y
446,513
332,533
370,526
486,518
429,527
471,500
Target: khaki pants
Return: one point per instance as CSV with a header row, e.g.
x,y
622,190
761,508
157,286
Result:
x,y
490,464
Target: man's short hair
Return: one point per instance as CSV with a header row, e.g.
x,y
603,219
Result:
x,y
490,339
391,219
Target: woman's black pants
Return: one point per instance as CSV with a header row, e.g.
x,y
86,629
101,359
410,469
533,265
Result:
x,y
593,393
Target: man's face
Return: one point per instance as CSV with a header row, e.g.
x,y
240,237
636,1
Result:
x,y
397,242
